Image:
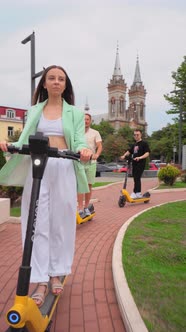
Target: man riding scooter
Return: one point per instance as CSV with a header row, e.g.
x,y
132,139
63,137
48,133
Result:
x,y
140,151
94,142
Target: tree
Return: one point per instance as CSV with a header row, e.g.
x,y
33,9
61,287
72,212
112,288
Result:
x,y
163,141
104,128
127,133
113,147
177,98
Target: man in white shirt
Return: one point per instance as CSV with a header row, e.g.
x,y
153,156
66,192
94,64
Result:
x,y
94,142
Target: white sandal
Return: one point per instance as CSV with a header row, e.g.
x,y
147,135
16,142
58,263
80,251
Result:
x,y
40,296
55,286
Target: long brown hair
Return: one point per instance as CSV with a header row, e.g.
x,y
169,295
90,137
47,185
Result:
x,y
41,93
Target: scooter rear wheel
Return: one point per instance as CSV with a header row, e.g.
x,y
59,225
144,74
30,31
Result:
x,y
122,201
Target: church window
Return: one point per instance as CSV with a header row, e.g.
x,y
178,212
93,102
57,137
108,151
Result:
x,y
112,104
141,111
121,105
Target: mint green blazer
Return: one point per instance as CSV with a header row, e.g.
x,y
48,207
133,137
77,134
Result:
x,y
14,172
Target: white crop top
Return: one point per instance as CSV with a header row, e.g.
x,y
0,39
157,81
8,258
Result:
x,y
50,127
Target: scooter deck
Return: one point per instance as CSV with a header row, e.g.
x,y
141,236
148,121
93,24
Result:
x,y
51,300
144,199
80,220
139,200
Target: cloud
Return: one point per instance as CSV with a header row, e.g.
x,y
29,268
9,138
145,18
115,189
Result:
x,y
82,37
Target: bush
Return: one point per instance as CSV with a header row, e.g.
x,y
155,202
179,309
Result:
x,y
168,174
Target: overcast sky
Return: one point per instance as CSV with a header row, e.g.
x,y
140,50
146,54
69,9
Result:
x,y
82,36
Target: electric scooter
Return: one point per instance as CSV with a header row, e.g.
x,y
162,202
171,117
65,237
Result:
x,y
125,197
24,315
80,220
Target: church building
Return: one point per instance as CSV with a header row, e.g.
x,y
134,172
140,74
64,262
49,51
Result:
x,y
119,114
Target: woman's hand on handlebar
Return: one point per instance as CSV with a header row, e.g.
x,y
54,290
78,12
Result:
x,y
3,146
85,155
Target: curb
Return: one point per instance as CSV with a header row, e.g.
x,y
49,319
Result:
x,y
157,191
128,309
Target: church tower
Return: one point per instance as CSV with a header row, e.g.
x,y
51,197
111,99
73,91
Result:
x,y
119,114
137,94
117,96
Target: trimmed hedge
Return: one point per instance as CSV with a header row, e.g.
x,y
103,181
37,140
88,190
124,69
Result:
x,y
168,174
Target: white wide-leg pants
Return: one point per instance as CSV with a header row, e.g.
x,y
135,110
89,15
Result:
x,y
54,239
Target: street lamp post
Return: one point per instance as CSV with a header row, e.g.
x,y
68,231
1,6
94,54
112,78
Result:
x,y
180,129
34,75
174,154
180,92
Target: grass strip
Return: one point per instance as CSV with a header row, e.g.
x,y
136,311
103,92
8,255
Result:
x,y
176,185
154,258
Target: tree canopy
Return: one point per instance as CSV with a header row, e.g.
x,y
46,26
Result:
x,y
177,97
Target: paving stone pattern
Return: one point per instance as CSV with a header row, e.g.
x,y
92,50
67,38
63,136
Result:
x,y
88,303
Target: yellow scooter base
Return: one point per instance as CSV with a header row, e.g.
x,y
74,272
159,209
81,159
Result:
x,y
126,198
27,314
80,220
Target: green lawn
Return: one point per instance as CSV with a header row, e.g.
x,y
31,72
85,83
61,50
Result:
x,y
100,184
154,262
177,184
15,212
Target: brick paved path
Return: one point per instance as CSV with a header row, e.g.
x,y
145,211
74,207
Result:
x,y
88,303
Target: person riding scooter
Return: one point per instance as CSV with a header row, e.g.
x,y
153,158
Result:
x,y
140,151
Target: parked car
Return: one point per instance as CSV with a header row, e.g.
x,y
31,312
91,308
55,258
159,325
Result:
x,y
153,167
113,166
156,161
102,168
122,169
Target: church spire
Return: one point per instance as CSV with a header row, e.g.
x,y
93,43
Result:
x,y
117,69
137,76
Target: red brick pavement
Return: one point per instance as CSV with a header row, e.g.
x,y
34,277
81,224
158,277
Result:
x,y
88,303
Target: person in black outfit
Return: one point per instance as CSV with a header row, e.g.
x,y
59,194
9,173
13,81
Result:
x,y
140,151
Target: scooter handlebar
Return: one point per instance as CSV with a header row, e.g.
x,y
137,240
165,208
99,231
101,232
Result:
x,y
51,152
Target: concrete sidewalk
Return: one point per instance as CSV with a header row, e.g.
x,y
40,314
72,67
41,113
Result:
x,y
88,303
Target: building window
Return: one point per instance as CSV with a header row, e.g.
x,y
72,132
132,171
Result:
x,y
112,105
141,111
10,131
121,105
10,114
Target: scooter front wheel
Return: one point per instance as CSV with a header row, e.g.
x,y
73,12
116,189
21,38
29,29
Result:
x,y
122,201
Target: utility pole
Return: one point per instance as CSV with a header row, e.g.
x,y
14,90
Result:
x,y
180,92
180,129
34,75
